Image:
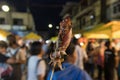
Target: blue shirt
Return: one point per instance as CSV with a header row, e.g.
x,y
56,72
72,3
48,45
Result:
x,y
70,72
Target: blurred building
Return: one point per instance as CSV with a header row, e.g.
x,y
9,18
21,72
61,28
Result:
x,y
18,22
113,10
89,13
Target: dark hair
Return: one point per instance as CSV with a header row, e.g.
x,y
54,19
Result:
x,y
70,50
11,39
107,44
35,48
3,44
11,43
89,47
74,40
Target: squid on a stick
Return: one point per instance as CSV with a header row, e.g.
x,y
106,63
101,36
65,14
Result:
x,y
64,38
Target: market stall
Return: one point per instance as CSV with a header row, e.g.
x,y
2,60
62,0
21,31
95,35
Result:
x,y
32,36
110,30
4,34
54,39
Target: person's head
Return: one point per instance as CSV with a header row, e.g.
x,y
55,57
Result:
x,y
71,53
75,41
3,47
13,44
108,44
89,46
36,48
12,40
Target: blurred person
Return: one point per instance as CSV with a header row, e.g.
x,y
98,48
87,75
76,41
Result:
x,y
115,45
10,39
81,53
45,46
15,50
22,51
5,68
119,65
3,51
89,65
109,61
70,71
50,50
100,58
12,45
22,55
36,64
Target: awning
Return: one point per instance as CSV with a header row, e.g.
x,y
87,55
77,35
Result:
x,y
3,34
55,38
109,30
32,36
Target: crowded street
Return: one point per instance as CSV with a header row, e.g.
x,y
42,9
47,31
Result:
x,y
60,40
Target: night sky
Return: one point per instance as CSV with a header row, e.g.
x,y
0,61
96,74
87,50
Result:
x,y
47,11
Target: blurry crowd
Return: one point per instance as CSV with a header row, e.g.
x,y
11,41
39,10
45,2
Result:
x,y
13,57
103,59
99,60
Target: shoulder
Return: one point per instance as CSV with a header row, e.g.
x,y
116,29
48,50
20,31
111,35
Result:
x,y
71,67
41,67
41,64
41,61
19,50
78,48
81,73
32,58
